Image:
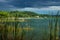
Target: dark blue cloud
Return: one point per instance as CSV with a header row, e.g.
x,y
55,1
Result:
x,y
34,3
8,4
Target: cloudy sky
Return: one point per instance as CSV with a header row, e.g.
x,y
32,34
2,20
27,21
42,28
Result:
x,y
38,6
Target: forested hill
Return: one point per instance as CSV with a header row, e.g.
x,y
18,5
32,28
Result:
x,y
21,14
18,14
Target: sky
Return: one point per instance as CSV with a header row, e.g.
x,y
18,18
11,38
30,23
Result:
x,y
38,6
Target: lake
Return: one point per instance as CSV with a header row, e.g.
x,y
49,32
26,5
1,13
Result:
x,y
40,28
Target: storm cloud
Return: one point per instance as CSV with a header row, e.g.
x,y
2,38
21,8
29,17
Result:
x,y
17,4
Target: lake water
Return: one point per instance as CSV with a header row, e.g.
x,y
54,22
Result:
x,y
40,27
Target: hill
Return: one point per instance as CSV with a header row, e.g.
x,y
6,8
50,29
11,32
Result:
x,y
23,14
18,14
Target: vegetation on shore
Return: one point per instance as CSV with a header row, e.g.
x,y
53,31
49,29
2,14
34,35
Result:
x,y
22,14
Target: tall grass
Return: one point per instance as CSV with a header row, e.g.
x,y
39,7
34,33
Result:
x,y
53,34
